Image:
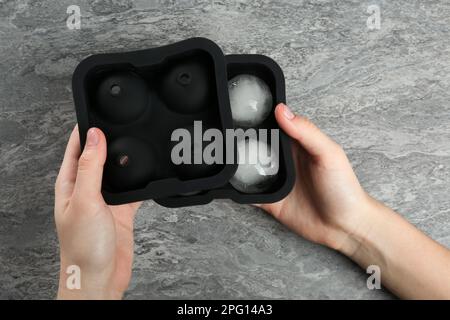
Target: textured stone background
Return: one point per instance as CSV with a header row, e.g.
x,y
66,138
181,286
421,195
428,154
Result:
x,y
384,95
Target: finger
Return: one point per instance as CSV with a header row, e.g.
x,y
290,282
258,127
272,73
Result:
x,y
314,141
90,166
68,172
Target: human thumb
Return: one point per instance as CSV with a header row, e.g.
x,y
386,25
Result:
x,y
314,141
90,165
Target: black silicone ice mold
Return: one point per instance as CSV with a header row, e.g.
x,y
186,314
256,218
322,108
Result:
x,y
138,99
269,71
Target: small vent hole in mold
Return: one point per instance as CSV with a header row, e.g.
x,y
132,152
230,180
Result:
x,y
184,78
115,90
123,160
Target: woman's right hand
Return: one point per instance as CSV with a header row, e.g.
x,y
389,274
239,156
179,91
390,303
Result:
x,y
327,203
328,206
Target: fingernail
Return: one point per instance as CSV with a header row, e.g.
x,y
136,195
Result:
x,y
288,113
92,138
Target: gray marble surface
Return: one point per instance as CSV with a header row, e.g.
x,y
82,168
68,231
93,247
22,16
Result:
x,y
383,94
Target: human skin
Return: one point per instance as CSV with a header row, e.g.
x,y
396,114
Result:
x,y
92,235
327,206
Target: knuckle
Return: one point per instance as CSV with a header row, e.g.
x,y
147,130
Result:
x,y
342,153
57,184
84,163
61,185
304,121
337,148
303,124
335,157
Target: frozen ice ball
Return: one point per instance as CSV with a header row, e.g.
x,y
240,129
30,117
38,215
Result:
x,y
258,166
250,99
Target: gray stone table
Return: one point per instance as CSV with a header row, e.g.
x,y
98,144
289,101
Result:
x,y
383,94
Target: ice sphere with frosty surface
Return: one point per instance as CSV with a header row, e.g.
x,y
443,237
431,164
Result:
x,y
258,166
250,100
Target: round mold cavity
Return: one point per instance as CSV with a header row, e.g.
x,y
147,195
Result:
x,y
258,167
185,87
251,100
122,97
130,165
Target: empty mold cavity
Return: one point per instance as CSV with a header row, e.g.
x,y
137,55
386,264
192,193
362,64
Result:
x,y
186,85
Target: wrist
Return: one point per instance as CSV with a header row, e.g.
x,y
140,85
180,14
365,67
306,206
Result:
x,y
356,233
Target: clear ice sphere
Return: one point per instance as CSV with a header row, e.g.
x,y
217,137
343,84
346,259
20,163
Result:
x,y
250,99
255,174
